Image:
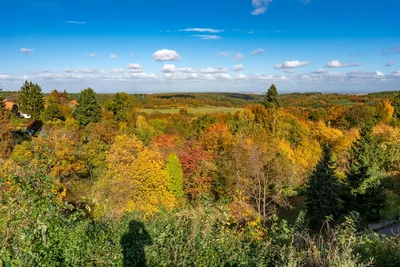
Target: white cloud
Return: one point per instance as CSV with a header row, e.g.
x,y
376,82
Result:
x,y
186,70
257,51
289,71
260,6
241,77
83,70
75,22
214,70
132,54
181,76
268,77
144,75
166,55
208,37
170,68
222,54
238,67
222,76
394,75
113,56
292,64
319,71
26,50
135,68
6,77
201,30
338,64
92,55
239,56
117,70
216,76
390,64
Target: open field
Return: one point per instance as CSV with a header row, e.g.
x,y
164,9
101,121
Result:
x,y
195,110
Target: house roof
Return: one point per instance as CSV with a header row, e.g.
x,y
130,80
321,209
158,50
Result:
x,y
10,105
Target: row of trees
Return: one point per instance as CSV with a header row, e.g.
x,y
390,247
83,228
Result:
x,y
362,189
31,100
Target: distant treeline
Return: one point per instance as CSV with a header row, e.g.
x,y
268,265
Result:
x,y
237,100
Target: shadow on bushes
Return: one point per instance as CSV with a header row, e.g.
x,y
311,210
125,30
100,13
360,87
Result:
x,y
133,243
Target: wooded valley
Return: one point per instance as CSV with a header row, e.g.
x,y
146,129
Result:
x,y
198,179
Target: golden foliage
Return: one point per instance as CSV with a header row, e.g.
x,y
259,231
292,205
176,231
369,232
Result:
x,y
135,180
388,111
53,153
217,137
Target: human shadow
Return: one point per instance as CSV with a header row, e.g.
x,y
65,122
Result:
x,y
133,243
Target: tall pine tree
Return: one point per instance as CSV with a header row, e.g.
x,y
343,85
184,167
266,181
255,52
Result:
x,y
119,106
87,110
271,103
396,105
31,100
364,177
323,192
271,98
2,105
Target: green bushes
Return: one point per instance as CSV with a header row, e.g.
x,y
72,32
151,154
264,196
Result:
x,y
194,240
384,251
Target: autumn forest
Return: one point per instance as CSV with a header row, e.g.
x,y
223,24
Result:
x,y
198,179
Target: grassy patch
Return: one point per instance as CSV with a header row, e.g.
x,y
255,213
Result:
x,y
195,110
344,102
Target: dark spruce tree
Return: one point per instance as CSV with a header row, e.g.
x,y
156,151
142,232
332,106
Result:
x,y
396,105
87,110
271,103
2,105
31,100
119,106
323,192
364,176
271,98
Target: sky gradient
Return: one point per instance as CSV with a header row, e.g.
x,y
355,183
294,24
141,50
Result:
x,y
170,46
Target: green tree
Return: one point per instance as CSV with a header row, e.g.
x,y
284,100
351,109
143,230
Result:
x,y
271,98
118,106
87,110
31,100
364,176
53,112
2,105
175,173
323,191
396,105
271,103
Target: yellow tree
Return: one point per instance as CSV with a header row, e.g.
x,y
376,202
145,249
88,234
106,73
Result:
x,y
54,154
135,180
217,137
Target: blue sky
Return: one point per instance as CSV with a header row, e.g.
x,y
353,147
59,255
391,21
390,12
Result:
x,y
240,46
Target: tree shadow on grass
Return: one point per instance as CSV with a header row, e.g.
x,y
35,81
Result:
x,y
133,243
